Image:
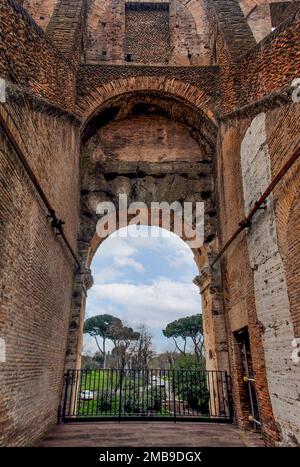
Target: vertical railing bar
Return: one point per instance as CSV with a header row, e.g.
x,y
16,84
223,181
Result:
x,y
228,389
134,389
177,383
98,391
107,387
214,392
97,398
123,392
209,392
63,415
138,390
147,392
174,396
94,387
203,389
191,380
165,392
223,397
120,399
71,391
218,389
110,375
77,393
71,401
102,390
79,404
169,391
84,376
89,390
183,392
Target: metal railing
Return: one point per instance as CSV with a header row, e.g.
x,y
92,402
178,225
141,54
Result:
x,y
146,394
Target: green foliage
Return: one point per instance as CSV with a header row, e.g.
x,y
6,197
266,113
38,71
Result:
x,y
191,385
100,325
122,334
188,361
104,403
185,327
151,401
92,362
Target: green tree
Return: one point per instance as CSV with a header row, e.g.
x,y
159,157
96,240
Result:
x,y
100,327
123,338
190,327
190,384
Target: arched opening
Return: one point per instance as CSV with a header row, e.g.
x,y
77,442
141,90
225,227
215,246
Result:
x,y
151,147
144,276
133,371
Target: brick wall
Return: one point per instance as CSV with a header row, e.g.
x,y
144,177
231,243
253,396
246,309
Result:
x,y
105,32
65,28
30,60
286,196
92,76
259,277
262,15
235,29
178,37
40,10
36,269
279,12
145,24
256,76
189,34
145,138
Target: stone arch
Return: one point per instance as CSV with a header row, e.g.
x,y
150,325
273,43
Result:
x,y
88,105
200,254
191,37
147,181
197,10
106,19
209,285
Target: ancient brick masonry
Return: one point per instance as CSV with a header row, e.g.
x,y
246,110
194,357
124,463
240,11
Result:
x,y
144,25
198,112
31,61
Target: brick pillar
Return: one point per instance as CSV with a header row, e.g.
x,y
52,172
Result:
x,y
65,28
83,282
215,335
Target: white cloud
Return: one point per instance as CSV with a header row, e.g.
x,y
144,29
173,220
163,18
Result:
x,y
129,262
156,303
136,298
117,247
107,274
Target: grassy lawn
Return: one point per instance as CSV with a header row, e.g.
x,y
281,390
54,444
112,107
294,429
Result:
x,y
108,399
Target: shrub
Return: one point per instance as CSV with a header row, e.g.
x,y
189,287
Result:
x,y
141,403
104,403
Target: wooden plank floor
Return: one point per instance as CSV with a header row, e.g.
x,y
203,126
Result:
x,y
144,434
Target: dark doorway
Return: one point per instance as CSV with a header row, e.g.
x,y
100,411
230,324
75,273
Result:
x,y
248,377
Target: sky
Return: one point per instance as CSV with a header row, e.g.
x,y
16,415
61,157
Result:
x,y
143,275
